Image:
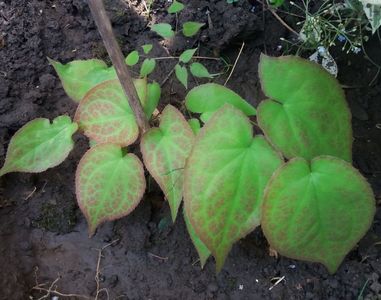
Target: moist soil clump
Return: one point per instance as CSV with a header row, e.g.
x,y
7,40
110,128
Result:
x,y
43,235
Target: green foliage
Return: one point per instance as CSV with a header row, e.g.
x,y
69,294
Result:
x,y
198,70
195,125
165,150
39,145
175,7
182,75
109,184
231,1
208,98
202,250
306,115
148,67
276,3
152,98
317,211
191,28
187,55
225,176
105,116
132,58
232,181
147,48
79,76
164,30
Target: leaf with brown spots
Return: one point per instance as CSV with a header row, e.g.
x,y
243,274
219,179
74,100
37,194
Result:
x,y
109,184
317,211
165,150
225,177
40,145
105,115
306,115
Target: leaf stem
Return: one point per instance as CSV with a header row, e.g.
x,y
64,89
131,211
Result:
x,y
103,23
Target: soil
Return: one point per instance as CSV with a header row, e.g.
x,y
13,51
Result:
x,y
43,235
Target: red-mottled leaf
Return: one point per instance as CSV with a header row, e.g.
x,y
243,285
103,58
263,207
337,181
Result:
x,y
224,181
109,184
165,150
202,250
105,115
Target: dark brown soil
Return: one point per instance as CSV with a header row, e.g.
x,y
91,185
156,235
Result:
x,y
43,235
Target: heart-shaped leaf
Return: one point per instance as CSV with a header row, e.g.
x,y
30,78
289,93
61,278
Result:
x,y
306,115
208,98
79,76
202,250
318,211
163,29
182,75
105,115
40,145
225,177
191,28
165,150
109,184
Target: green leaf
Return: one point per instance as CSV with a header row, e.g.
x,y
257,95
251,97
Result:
x,y
153,97
198,70
165,150
202,250
79,76
175,7
317,211
225,177
148,66
191,28
187,55
132,58
39,145
306,115
163,29
147,48
109,184
149,95
208,98
182,75
276,3
105,115
195,125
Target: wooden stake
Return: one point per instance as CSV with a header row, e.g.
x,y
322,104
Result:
x,y
104,27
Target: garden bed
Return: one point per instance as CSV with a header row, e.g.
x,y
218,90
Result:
x,y
43,235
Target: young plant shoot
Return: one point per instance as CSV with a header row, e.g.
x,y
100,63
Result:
x,y
293,181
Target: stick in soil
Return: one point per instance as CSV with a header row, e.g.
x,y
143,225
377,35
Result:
x,y
235,63
103,23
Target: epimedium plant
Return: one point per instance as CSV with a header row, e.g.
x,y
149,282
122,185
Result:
x,y
293,180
